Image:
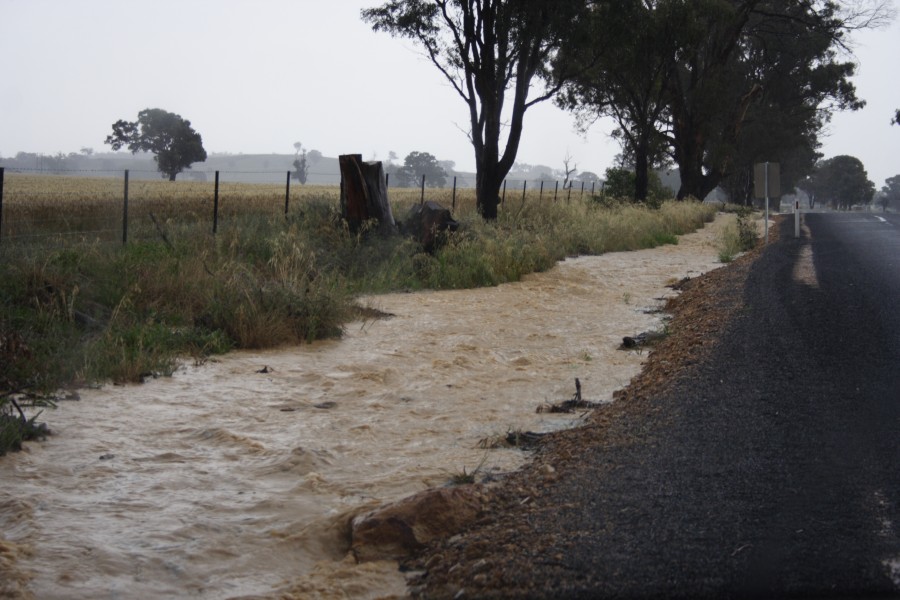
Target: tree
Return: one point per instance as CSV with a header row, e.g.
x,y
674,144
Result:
x,y
569,169
891,191
490,51
619,185
841,181
700,78
588,177
633,55
301,164
417,164
896,119
172,140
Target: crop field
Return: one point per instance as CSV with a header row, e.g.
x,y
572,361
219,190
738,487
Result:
x,y
38,209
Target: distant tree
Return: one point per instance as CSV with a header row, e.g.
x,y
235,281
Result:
x,y
891,191
589,177
173,142
841,181
417,164
492,53
301,164
313,157
896,119
87,151
569,169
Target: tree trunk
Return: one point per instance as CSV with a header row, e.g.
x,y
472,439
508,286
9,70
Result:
x,y
641,170
487,192
364,193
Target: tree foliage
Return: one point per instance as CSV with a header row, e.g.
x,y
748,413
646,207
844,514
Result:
x,y
300,164
173,142
891,191
492,52
841,181
417,164
719,84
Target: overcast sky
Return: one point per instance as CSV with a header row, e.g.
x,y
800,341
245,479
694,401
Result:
x,y
255,76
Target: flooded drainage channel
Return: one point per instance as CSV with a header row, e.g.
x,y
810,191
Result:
x,y
236,477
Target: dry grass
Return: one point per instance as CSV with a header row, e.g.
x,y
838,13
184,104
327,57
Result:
x,y
36,207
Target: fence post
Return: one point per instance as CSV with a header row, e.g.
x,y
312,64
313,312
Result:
x,y
524,186
582,189
216,206
125,210
454,192
387,180
556,191
593,183
569,194
422,200
541,195
503,199
287,193
2,171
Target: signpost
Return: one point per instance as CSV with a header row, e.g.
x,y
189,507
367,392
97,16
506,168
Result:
x,y
766,184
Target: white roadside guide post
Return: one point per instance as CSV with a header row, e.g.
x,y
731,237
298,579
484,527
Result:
x,y
766,183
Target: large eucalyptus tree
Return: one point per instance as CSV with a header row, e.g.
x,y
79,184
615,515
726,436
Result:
x,y
497,56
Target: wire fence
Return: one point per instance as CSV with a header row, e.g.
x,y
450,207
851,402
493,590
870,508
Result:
x,y
118,206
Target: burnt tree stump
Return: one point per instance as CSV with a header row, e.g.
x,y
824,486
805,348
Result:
x,y
364,193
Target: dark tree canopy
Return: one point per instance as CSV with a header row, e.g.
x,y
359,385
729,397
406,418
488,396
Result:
x,y
171,139
417,164
841,181
720,84
492,52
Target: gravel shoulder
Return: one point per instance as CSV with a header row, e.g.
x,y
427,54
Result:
x,y
522,547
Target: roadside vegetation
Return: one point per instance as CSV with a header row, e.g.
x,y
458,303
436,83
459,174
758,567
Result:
x,y
82,309
740,235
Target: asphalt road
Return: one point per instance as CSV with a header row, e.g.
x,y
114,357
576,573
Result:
x,y
770,470
787,470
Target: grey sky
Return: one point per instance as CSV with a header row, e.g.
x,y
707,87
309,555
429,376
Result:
x,y
257,76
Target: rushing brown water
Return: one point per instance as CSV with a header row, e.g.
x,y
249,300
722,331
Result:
x,y
237,477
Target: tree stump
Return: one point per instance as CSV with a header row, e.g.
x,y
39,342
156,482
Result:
x,y
425,221
364,193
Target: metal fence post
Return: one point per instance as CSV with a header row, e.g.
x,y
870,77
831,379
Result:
x,y
454,192
524,187
2,171
541,194
287,193
216,206
422,200
125,210
555,191
582,189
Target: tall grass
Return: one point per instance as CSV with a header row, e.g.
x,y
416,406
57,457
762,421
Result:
x,y
87,310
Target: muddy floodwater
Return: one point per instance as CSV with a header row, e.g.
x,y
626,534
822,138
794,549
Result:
x,y
236,477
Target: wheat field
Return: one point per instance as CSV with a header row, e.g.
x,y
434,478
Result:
x,y
53,208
